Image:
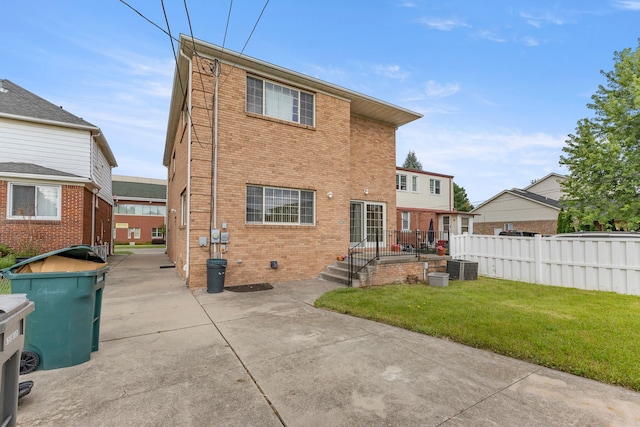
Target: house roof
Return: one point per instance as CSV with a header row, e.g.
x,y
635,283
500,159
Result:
x,y
20,104
424,172
551,175
361,105
138,190
525,195
34,171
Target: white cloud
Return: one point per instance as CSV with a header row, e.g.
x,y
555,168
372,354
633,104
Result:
x,y
627,4
538,21
491,36
442,24
438,90
408,4
530,41
391,71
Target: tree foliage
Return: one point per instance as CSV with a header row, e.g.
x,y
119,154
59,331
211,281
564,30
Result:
x,y
603,157
412,162
460,200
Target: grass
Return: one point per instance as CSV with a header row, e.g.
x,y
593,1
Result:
x,y
126,247
586,333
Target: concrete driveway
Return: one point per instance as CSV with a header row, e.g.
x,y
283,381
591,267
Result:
x,y
169,357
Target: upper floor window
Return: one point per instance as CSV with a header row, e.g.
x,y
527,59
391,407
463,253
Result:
x,y
280,102
414,184
268,205
132,209
434,186
401,182
34,201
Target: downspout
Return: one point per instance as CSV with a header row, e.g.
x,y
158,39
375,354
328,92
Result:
x,y
186,266
215,156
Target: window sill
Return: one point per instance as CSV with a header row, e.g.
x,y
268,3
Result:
x,y
284,122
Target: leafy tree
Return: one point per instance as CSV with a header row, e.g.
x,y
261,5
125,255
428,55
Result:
x,y
565,224
460,200
411,162
603,157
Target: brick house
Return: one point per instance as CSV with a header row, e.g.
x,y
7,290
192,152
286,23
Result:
x,y
55,176
534,208
425,201
285,168
140,209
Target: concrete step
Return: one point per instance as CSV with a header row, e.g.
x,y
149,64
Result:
x,y
336,278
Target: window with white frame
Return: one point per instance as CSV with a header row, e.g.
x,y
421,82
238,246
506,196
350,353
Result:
x,y
406,221
183,215
434,186
134,232
464,224
280,102
508,226
414,183
401,182
34,201
272,205
156,233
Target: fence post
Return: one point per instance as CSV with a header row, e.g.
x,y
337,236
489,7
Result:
x,y
377,245
537,257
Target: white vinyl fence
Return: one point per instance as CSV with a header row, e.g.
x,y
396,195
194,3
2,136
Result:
x,y
611,265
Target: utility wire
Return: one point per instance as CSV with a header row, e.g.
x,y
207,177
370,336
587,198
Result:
x,y
193,41
247,42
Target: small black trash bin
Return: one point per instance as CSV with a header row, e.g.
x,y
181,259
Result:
x,y
216,267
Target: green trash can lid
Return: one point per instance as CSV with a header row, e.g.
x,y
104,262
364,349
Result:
x,y
81,252
11,304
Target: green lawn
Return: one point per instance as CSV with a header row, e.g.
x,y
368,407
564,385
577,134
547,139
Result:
x,y
587,333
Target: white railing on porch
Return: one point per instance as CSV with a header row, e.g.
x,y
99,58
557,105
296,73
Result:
x,y
594,264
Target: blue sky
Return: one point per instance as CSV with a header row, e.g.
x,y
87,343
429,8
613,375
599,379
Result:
x,y
500,83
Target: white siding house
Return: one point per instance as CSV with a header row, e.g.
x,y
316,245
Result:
x,y
55,174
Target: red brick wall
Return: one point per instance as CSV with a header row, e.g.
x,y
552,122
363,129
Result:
x,y
400,272
45,236
542,227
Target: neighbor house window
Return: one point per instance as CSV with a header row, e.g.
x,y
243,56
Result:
x,y
280,102
464,227
270,205
401,182
508,226
434,186
134,232
406,221
34,201
414,184
144,210
156,233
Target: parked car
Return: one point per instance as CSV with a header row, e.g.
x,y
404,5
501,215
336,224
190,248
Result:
x,y
517,233
598,235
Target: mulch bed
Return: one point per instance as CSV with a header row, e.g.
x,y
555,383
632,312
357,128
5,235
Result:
x,y
249,288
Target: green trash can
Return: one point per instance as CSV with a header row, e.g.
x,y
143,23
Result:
x,y
216,269
65,328
13,310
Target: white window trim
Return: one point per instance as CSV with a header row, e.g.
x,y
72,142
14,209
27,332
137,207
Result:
x,y
183,209
415,184
399,178
33,217
408,214
434,189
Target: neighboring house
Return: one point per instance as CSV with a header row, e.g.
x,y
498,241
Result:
x,y
55,176
282,170
140,209
425,200
534,208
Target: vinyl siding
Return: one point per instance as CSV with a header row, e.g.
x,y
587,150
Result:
x,y
64,149
510,208
423,199
102,173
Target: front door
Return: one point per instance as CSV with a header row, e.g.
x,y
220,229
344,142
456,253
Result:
x,y
366,219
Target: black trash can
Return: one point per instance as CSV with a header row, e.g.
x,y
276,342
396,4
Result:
x,y
216,267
